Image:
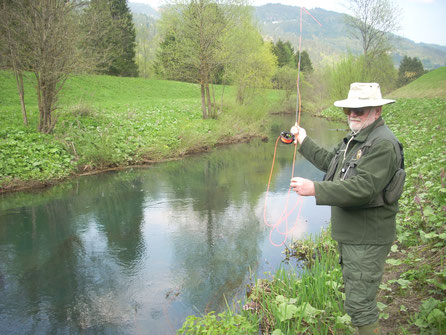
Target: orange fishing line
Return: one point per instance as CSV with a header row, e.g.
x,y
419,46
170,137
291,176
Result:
x,y
285,213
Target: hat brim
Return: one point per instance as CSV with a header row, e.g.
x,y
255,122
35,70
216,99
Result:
x,y
359,103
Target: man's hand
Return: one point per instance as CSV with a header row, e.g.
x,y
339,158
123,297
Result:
x,y
299,133
302,186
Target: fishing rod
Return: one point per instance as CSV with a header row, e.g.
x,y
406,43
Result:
x,y
288,138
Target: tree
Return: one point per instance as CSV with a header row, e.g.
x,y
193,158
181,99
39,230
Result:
x,y
146,44
193,42
351,69
284,53
45,38
10,48
114,36
371,23
409,70
124,43
285,79
305,61
248,61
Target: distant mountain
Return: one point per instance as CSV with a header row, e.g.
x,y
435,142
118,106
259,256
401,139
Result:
x,y
331,40
324,43
141,8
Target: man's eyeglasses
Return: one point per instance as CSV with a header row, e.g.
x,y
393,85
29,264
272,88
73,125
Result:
x,y
357,111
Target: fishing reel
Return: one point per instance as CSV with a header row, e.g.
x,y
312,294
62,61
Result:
x,y
286,138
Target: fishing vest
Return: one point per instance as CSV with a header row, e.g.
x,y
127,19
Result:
x,y
392,192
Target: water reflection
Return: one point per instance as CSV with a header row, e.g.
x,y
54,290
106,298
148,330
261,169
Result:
x,y
128,252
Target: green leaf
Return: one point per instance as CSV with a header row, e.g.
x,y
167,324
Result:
x,y
428,211
429,304
287,311
309,312
403,282
381,306
345,319
436,316
393,261
277,332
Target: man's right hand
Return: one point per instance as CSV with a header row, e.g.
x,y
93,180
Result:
x,y
299,132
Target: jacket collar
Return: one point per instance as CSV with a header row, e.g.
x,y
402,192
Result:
x,y
364,133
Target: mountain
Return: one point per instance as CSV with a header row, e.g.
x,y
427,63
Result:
x,y
141,8
327,43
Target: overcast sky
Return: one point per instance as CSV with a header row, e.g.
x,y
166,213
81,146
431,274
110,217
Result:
x,y
422,21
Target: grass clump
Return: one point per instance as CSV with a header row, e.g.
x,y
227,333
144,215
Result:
x,y
310,301
26,155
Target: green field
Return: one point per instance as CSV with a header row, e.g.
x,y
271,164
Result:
x,y
106,121
430,85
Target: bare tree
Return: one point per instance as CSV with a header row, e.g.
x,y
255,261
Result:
x,y
11,50
49,38
371,23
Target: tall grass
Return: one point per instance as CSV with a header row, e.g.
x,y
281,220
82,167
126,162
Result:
x,y
304,301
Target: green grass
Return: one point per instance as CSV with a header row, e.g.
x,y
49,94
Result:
x,y
105,121
430,85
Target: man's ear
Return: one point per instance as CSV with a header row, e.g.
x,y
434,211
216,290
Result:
x,y
378,111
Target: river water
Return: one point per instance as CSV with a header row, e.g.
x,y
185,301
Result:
x,y
136,251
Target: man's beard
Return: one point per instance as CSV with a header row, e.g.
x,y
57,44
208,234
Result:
x,y
355,126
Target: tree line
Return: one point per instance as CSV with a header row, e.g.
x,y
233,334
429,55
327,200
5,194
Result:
x,y
207,42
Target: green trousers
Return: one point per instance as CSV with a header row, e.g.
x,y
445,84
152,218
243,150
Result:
x,y
362,271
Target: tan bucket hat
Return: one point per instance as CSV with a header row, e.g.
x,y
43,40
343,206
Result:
x,y
363,95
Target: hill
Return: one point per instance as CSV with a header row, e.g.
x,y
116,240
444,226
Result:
x,y
140,8
331,40
430,85
324,44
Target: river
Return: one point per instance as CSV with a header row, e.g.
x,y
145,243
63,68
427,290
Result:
x,y
136,251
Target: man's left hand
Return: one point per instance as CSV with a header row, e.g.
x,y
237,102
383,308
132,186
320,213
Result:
x,y
302,186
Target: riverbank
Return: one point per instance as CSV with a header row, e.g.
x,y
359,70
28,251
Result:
x,y
106,123
412,297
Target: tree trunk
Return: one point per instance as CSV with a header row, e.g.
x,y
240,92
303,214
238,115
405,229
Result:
x,y
208,96
222,93
213,100
203,101
21,90
39,103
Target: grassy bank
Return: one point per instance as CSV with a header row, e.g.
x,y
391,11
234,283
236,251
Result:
x,y
106,122
412,297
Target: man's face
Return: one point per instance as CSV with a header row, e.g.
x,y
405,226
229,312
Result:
x,y
359,118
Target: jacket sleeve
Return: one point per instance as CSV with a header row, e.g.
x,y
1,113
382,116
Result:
x,y
374,171
317,155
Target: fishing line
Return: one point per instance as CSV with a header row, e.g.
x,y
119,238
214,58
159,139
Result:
x,y
287,138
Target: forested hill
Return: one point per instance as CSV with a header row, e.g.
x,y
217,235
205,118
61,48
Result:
x,y
323,43
330,39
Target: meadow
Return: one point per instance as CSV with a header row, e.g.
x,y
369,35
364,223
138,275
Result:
x,y
111,122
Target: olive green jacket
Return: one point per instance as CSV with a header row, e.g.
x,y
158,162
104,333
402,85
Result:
x,y
355,217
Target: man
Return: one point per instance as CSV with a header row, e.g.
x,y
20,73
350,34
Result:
x,y
362,209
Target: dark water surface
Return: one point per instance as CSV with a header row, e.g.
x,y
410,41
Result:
x,y
135,252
